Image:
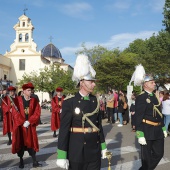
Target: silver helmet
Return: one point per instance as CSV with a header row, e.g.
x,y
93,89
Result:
x,y
148,77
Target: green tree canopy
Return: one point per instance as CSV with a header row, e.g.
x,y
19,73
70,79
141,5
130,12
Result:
x,y
49,79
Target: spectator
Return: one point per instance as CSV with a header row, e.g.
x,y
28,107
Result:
x,y
115,106
166,110
110,105
132,112
161,95
120,110
102,106
126,110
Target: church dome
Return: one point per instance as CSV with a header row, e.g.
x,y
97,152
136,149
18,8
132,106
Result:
x,y
51,51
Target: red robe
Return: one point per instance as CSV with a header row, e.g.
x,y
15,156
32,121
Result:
x,y
25,136
7,115
55,116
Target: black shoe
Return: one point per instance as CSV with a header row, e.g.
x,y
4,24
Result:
x,y
9,142
54,135
36,164
21,165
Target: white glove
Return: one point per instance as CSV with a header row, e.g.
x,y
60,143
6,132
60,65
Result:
x,y
62,163
60,110
142,141
26,124
104,153
165,134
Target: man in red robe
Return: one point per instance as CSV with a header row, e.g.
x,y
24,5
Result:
x,y
7,113
56,110
26,114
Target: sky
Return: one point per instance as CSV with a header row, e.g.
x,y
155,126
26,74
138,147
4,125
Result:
x,y
109,23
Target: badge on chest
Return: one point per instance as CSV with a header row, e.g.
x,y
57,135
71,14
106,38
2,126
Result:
x,y
77,111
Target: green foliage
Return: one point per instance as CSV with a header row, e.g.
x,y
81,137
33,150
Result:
x,y
114,68
49,79
166,13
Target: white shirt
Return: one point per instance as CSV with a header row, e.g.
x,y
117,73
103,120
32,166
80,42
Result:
x,y
166,107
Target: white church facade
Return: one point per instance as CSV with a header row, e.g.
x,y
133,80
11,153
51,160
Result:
x,y
23,56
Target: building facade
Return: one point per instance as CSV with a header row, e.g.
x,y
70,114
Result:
x,y
23,56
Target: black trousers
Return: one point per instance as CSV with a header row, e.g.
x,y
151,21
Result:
x,y
151,154
95,165
110,113
23,149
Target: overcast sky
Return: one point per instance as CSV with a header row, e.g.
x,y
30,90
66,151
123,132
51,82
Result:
x,y
110,23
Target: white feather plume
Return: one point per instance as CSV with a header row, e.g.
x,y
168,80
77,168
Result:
x,y
82,68
138,75
92,71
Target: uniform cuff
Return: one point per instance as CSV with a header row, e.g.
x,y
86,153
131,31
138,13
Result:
x,y
164,128
103,146
139,134
61,154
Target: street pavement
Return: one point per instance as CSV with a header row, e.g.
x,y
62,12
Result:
x,y
120,141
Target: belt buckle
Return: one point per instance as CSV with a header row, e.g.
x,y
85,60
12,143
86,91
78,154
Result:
x,y
90,130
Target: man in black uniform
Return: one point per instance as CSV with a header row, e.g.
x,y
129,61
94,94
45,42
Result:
x,y
81,140
149,125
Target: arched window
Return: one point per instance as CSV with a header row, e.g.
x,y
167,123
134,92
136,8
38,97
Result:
x,y
20,37
23,24
26,37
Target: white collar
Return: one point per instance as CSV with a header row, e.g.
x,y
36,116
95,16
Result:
x,y
82,94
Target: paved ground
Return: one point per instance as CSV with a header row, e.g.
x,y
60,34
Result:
x,y
120,141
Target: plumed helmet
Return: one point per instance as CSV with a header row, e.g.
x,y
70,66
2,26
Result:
x,y
139,76
148,77
83,69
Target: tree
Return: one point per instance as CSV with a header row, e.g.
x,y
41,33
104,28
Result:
x,y
166,13
49,79
97,52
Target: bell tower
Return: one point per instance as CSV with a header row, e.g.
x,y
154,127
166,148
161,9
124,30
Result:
x,y
24,36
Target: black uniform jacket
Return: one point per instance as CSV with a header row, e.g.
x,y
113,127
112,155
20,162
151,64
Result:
x,y
80,147
144,110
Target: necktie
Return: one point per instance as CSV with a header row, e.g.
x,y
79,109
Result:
x,y
150,94
86,97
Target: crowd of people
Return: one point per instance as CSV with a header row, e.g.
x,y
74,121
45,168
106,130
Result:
x,y
114,107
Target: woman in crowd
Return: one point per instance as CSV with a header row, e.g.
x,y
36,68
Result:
x,y
166,109
126,109
120,110
110,106
132,112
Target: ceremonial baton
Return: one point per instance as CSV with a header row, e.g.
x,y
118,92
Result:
x,y
13,104
109,157
3,101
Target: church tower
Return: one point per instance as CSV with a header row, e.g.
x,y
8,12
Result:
x,y
23,42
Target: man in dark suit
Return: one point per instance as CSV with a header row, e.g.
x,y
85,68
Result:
x,y
149,125
81,140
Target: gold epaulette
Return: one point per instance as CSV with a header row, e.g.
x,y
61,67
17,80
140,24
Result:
x,y
142,92
68,97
